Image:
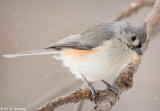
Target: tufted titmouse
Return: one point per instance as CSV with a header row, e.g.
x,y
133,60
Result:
x,y
100,52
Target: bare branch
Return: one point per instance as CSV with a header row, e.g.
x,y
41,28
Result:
x,y
153,19
106,99
133,8
73,97
79,105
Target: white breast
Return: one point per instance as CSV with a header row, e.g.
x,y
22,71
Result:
x,y
106,61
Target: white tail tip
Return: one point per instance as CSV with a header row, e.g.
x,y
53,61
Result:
x,y
31,52
11,55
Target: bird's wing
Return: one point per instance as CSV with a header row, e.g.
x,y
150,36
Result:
x,y
89,39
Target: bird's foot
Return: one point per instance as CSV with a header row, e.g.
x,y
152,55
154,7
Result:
x,y
115,90
92,89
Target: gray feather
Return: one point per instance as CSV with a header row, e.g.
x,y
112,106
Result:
x,y
89,39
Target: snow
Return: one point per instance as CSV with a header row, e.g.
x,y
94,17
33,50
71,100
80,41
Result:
x,y
15,14
46,76
16,44
157,98
132,4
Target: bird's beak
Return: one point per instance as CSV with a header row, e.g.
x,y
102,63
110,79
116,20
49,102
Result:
x,y
138,50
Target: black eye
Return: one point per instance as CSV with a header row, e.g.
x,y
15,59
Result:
x,y
133,38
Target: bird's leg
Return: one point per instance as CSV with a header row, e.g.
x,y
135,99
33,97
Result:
x,y
92,89
115,90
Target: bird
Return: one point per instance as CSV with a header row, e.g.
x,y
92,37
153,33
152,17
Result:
x,y
102,51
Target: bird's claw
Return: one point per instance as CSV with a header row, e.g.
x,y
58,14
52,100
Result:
x,y
90,87
93,91
115,90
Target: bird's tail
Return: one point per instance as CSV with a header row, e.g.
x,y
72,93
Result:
x,y
32,52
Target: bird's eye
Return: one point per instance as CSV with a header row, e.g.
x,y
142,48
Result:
x,y
133,38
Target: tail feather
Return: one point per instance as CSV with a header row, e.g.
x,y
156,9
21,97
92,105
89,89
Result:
x,y
31,52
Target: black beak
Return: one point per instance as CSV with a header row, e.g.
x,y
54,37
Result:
x,y
138,50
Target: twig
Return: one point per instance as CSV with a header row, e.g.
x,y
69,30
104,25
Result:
x,y
106,99
79,105
52,94
73,97
153,19
133,8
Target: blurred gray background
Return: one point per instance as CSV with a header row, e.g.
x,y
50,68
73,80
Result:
x,y
28,82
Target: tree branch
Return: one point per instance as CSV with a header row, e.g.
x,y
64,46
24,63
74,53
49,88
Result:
x,y
106,99
73,97
79,105
133,8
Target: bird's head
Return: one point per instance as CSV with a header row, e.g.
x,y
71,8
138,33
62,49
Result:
x,y
134,37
